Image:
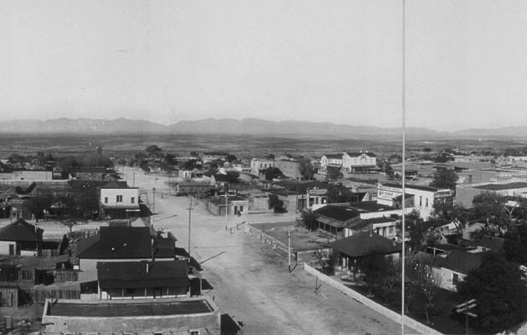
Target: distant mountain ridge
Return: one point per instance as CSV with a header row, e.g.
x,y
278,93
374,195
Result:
x,y
250,126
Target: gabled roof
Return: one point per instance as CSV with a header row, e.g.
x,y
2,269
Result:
x,y
227,177
334,156
493,243
460,261
21,231
122,243
357,154
364,244
339,213
142,274
114,184
370,206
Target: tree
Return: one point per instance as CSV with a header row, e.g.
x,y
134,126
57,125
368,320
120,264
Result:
x,y
515,245
425,282
272,173
421,233
499,292
334,173
231,158
41,202
447,212
306,168
153,150
375,268
444,178
276,204
491,208
309,219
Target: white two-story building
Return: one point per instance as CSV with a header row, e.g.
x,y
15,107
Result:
x,y
119,201
351,162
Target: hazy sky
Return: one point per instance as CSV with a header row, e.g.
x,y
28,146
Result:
x,y
314,60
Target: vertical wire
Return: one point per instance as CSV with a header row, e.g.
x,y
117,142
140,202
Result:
x,y
403,103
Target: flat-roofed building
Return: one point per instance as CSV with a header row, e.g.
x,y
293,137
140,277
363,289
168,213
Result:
x,y
172,316
466,193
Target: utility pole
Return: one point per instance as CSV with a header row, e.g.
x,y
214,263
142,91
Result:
x,y
226,209
289,248
154,204
133,179
189,223
169,184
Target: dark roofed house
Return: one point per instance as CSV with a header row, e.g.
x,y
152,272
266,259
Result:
x,y
349,249
333,219
123,244
455,266
134,280
20,238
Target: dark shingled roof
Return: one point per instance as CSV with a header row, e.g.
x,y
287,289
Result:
x,y
460,261
114,184
334,156
364,244
357,154
370,206
21,231
339,213
142,274
493,243
124,243
500,187
415,187
363,223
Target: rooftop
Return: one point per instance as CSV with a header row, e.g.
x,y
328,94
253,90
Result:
x,y
460,261
415,187
501,187
363,244
21,231
130,309
370,206
116,185
122,243
339,213
142,274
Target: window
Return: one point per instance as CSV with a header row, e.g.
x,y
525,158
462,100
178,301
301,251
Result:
x,y
194,332
132,200
105,200
158,333
420,201
455,278
119,198
426,202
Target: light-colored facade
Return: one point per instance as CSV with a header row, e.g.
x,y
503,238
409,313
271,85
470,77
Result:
x,y
424,196
290,168
258,164
120,197
465,193
351,162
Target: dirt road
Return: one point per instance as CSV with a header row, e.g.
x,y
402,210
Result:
x,y
250,282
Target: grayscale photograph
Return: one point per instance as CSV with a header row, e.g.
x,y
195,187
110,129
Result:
x,y
284,167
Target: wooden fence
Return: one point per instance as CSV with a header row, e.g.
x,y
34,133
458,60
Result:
x,y
40,295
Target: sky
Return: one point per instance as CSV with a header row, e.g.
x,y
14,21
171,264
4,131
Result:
x,y
334,61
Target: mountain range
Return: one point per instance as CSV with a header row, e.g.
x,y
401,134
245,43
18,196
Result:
x,y
256,127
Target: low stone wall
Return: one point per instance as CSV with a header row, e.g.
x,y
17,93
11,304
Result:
x,y
370,303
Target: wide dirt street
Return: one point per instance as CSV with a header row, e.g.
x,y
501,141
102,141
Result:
x,y
251,283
